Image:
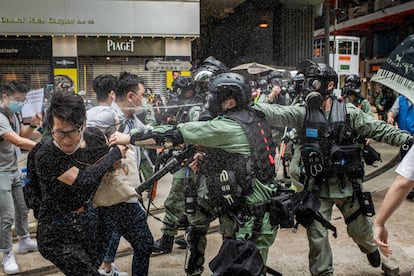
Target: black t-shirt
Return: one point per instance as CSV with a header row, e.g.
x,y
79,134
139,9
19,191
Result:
x,y
51,162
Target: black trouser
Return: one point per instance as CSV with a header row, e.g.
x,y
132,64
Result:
x,y
73,242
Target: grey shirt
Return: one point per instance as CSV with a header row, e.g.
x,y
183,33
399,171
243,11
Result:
x,y
104,118
8,151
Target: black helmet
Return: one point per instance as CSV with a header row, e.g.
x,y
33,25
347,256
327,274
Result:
x,y
322,73
182,84
209,68
353,80
274,77
227,85
206,72
215,62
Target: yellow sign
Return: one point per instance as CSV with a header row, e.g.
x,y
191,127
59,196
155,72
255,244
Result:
x,y
66,77
172,75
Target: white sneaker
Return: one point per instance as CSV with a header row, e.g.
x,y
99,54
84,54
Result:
x,y
9,263
26,245
114,271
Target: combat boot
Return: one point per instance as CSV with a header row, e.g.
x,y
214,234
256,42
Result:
x,y
163,245
374,258
181,242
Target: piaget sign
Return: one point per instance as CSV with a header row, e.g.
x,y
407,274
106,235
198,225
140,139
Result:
x,y
120,46
42,20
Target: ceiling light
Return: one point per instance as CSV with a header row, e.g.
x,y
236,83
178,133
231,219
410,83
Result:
x,y
263,24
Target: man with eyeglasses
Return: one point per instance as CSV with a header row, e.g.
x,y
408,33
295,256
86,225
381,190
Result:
x,y
128,218
14,137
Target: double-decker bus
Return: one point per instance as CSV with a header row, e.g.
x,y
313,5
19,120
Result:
x,y
343,54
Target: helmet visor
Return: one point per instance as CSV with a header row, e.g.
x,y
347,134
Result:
x,y
203,76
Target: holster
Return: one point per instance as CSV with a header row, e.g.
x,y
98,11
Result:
x,y
366,204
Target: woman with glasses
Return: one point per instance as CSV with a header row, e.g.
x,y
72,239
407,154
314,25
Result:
x,y
13,137
69,165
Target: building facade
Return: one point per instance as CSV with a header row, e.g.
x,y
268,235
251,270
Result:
x,y
69,42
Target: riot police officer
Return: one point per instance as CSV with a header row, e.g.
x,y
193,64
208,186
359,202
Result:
x,y
186,90
352,92
236,169
327,163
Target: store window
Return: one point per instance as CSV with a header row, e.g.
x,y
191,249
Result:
x,y
91,67
36,73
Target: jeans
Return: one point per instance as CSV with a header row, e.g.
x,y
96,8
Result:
x,y
129,220
12,207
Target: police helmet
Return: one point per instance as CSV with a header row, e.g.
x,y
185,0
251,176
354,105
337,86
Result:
x,y
182,84
215,62
231,85
274,77
353,80
206,72
318,75
209,68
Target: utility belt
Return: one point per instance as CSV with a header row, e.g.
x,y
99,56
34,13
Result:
x,y
280,207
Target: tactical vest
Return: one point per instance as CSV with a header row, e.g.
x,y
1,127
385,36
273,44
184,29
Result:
x,y
231,175
329,143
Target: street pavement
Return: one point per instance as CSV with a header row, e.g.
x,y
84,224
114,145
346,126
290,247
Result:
x,y
288,254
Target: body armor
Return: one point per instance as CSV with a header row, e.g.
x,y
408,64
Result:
x,y
231,175
328,143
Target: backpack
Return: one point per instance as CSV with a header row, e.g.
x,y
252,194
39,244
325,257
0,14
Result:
x,y
239,258
32,191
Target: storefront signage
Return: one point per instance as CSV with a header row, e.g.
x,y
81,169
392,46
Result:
x,y
42,20
101,18
120,46
159,65
114,46
34,47
65,62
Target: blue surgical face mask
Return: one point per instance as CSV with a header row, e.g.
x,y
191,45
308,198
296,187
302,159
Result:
x,y
16,107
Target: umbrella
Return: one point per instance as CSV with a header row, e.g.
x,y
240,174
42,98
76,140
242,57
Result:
x,y
253,68
397,72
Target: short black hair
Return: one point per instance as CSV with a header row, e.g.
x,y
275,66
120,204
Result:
x,y
103,85
14,86
127,82
68,107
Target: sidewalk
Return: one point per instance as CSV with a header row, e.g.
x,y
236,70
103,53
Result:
x,y
288,255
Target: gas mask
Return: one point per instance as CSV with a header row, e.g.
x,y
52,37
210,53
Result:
x,y
210,108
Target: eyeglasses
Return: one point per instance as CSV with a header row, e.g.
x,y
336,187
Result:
x,y
17,100
60,134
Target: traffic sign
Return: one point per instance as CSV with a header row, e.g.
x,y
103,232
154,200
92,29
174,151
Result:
x,y
167,65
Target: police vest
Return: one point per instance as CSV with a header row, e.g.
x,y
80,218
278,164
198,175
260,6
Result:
x,y
329,143
406,115
231,175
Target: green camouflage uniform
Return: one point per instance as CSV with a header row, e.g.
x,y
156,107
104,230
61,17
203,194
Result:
x,y
229,136
334,191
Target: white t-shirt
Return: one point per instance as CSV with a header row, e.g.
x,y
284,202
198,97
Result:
x,y
406,167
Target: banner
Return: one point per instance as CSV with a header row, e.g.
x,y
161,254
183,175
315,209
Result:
x,y
397,72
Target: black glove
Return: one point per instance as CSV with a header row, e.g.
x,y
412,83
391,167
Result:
x,y
147,137
406,147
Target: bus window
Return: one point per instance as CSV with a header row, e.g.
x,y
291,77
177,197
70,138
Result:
x,y
356,48
332,49
345,47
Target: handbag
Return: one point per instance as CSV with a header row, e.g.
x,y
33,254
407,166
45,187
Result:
x,y
119,185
